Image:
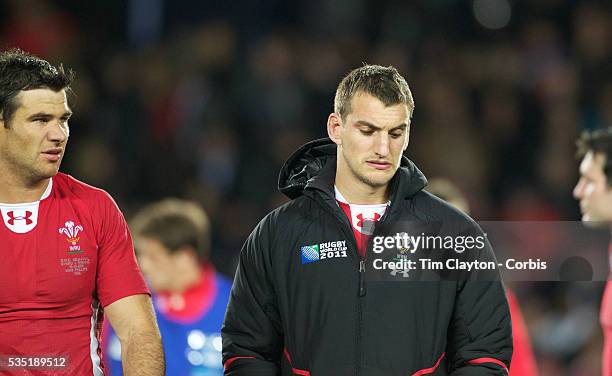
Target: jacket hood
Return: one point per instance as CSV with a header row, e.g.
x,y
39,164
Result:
x,y
316,160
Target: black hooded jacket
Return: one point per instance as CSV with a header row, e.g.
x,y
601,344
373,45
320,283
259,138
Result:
x,y
290,315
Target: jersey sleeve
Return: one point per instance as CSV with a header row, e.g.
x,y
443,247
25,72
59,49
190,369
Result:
x,y
118,274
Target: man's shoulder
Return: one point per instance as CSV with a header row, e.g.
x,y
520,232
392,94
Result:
x,y
68,185
297,209
287,219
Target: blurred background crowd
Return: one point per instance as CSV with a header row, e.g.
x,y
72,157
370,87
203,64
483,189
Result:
x,y
206,99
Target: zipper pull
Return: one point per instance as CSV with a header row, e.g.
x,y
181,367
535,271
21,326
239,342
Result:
x,y
362,289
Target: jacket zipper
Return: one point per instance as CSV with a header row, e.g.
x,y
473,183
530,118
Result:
x,y
362,292
360,296
362,286
348,232
362,289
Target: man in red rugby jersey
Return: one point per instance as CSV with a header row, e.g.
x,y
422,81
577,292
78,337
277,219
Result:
x,y
594,190
67,254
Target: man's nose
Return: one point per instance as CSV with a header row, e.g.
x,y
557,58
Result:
x,y
579,189
382,145
58,131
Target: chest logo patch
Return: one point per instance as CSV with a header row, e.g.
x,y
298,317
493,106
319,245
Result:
x,y
27,217
21,218
72,236
322,251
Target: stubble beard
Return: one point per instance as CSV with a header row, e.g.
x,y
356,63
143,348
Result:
x,y
34,173
362,177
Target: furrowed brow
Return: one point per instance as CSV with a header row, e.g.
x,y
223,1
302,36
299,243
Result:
x,y
39,115
45,115
401,127
363,123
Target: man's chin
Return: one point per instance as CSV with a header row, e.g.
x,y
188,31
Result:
x,y
591,222
377,181
47,174
49,171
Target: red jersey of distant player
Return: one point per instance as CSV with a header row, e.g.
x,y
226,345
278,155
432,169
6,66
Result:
x,y
605,318
63,260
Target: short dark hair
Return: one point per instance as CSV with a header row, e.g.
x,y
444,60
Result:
x,y
384,83
19,71
175,223
599,142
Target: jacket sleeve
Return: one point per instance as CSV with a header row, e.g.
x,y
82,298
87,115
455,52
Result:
x,y
252,331
480,332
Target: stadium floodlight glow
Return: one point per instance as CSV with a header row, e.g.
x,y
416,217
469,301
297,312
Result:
x,y
492,14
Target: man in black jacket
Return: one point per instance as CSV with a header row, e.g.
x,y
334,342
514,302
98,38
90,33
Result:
x,y
312,296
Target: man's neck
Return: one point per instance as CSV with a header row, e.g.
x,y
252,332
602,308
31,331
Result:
x,y
362,194
14,190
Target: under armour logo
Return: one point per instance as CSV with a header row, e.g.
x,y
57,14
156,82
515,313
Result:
x,y
13,218
403,272
361,219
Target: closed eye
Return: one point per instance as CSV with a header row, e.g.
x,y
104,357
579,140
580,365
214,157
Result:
x,y
40,120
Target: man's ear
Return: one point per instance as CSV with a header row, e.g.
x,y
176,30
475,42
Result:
x,y
334,128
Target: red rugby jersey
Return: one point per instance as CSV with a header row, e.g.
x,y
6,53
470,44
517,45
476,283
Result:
x,y
359,215
605,317
62,260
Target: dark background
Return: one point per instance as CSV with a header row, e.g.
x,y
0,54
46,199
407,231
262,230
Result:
x,y
205,100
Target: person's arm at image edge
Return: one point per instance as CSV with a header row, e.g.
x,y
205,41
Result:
x,y
134,323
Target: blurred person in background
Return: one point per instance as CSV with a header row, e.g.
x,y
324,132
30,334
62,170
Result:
x,y
173,244
307,309
67,253
594,191
523,361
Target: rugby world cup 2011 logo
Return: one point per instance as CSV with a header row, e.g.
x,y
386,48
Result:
x,y
72,236
310,253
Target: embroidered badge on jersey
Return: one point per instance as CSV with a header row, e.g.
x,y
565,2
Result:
x,y
72,236
74,265
20,218
322,251
364,221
